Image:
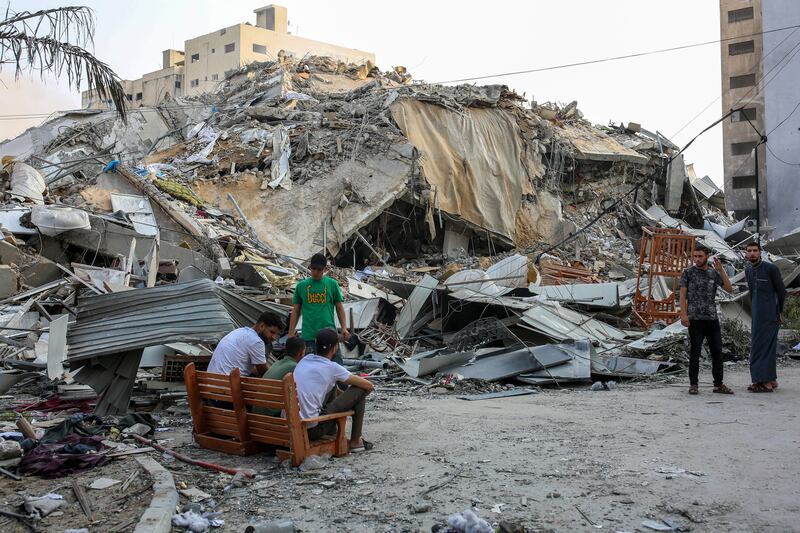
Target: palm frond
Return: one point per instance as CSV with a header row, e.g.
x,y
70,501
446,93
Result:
x,y
55,41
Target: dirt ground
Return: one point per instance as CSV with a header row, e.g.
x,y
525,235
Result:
x,y
112,509
553,461
559,460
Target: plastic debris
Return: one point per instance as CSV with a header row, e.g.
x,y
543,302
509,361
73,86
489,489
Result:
x,y
469,522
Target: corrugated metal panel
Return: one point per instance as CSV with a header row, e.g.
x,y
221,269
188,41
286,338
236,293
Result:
x,y
197,311
561,324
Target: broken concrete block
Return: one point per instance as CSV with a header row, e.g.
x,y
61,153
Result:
x,y
9,253
39,272
8,281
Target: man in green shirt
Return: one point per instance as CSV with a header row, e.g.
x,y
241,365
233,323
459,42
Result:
x,y
316,299
294,351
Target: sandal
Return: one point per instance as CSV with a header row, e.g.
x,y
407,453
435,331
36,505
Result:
x,y
693,389
365,448
759,387
723,389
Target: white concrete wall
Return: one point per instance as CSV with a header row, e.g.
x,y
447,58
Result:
x,y
156,85
781,95
207,72
213,60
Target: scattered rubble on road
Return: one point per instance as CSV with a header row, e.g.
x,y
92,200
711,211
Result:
x,y
488,248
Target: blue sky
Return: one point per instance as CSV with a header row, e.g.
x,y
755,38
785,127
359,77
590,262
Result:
x,y
445,40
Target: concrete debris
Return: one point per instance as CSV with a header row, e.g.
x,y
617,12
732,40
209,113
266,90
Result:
x,y
479,242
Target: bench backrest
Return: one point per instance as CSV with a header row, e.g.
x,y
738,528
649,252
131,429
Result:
x,y
242,394
204,388
269,394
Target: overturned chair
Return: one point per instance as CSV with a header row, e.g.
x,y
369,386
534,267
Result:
x,y
223,420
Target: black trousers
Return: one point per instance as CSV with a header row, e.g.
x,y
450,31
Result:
x,y
708,330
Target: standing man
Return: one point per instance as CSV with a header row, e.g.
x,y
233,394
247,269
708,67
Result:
x,y
316,375
767,294
316,298
247,348
699,312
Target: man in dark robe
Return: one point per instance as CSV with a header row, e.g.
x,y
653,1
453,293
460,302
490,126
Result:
x,y
767,294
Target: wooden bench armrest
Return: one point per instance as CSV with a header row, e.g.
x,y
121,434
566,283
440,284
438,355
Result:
x,y
325,418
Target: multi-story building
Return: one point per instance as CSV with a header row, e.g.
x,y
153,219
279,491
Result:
x,y
759,74
207,59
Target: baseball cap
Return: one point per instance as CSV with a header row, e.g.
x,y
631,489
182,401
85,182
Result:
x,y
326,338
318,260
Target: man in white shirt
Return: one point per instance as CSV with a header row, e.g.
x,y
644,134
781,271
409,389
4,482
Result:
x,y
247,348
316,375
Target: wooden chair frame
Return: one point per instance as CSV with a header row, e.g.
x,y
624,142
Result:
x,y
238,430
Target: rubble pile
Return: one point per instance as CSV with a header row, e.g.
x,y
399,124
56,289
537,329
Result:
x,y
484,244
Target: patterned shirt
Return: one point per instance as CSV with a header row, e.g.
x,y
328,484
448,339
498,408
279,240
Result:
x,y
701,289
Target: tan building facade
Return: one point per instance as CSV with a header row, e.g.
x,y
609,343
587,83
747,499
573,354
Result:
x,y
742,70
205,60
760,69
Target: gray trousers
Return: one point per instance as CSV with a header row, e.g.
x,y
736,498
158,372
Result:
x,y
353,399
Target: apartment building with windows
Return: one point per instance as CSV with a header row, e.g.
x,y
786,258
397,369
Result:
x,y
205,60
759,73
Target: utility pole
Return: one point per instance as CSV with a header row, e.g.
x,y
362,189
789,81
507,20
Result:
x,y
763,140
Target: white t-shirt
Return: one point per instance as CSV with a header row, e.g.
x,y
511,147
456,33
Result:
x,y
241,348
315,376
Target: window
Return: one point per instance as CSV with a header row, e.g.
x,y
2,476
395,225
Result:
x,y
213,50
738,15
138,96
744,115
744,182
742,213
195,83
215,77
230,48
746,80
259,49
195,58
744,47
177,84
743,148
223,31
129,97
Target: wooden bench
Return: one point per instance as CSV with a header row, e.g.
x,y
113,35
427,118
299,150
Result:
x,y
234,428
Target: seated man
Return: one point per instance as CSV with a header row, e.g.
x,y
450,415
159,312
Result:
x,y
295,350
316,375
247,348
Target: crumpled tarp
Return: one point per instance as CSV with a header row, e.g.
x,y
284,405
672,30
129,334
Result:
x,y
26,183
58,460
475,161
53,220
57,404
281,151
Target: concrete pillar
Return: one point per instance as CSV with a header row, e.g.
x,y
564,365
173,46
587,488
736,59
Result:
x,y
272,17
